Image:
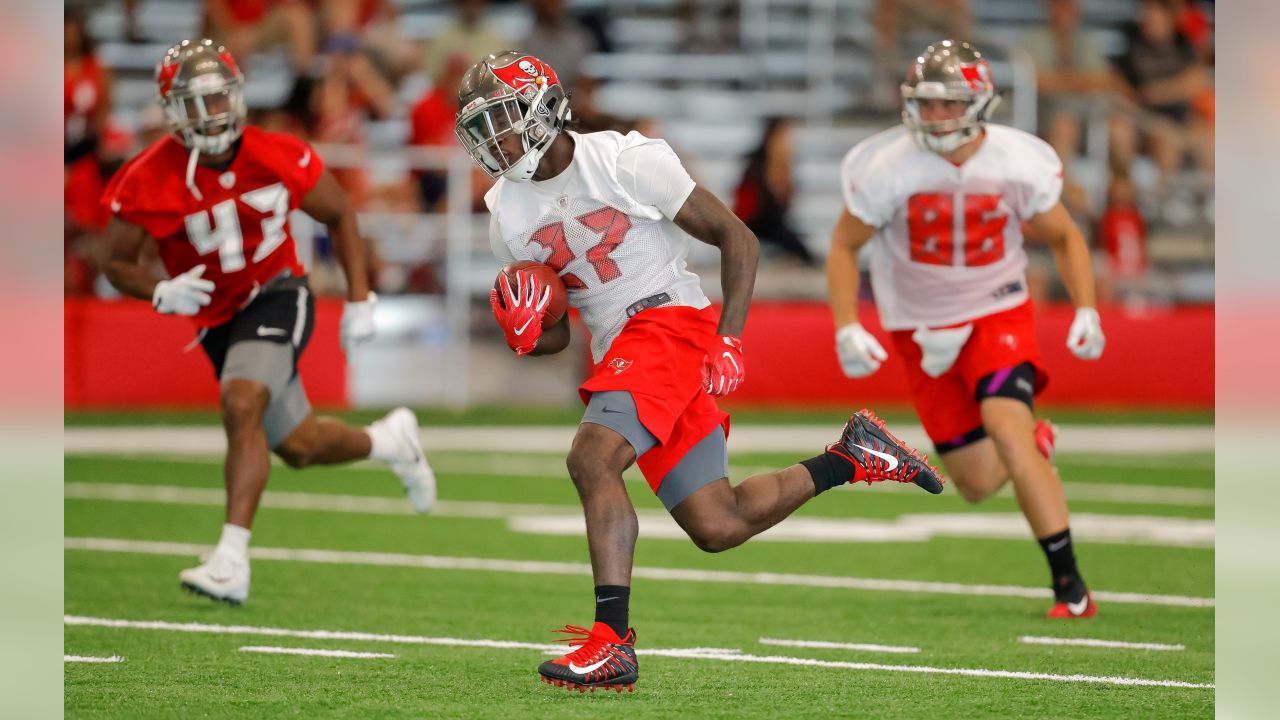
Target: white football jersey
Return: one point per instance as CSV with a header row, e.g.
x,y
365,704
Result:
x,y
605,224
948,246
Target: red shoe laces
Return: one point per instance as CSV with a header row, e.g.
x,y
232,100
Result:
x,y
591,645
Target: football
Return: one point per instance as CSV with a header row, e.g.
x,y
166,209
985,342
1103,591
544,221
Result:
x,y
545,275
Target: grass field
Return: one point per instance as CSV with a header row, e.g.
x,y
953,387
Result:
x,y
465,599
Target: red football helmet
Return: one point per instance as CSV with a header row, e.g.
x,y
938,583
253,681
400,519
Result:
x,y
201,91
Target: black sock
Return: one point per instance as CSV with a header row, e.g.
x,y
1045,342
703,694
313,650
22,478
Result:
x,y
829,470
1067,583
612,603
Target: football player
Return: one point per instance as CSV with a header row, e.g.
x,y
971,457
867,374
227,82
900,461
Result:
x,y
942,199
609,213
215,197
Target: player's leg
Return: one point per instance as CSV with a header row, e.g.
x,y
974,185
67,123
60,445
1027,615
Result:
x,y
248,461
718,516
975,469
606,444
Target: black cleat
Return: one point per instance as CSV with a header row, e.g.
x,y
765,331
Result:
x,y
878,455
600,659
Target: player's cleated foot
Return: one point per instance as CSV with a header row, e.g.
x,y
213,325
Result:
x,y
1085,607
879,455
219,577
600,659
413,470
1046,438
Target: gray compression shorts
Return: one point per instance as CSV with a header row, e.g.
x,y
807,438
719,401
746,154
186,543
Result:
x,y
705,462
271,364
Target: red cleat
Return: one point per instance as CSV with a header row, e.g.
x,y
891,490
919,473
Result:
x,y
599,659
1085,608
879,455
1046,438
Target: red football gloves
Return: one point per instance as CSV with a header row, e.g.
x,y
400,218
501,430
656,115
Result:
x,y
520,310
723,370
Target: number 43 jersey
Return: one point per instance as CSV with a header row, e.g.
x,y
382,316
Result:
x,y
239,229
948,246
605,225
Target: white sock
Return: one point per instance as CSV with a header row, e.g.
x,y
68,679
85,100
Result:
x,y
234,542
383,443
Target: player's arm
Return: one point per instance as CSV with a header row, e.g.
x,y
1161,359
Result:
x,y
329,204
706,218
847,239
859,352
554,338
1071,254
123,269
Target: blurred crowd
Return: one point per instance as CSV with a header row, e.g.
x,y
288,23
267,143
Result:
x,y
1149,106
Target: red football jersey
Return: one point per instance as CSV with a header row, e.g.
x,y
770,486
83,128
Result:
x,y
239,230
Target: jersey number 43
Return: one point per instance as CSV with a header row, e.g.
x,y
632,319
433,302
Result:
x,y
936,238
224,235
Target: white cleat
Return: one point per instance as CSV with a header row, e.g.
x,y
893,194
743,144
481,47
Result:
x,y
220,577
415,474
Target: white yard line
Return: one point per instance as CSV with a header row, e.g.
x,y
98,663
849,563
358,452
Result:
x,y
656,524
313,652
1087,642
532,567
1101,439
823,644
687,653
91,659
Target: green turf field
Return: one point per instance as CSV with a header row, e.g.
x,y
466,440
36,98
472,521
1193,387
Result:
x,y
501,561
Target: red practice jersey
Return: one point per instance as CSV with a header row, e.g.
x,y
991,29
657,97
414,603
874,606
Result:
x,y
239,230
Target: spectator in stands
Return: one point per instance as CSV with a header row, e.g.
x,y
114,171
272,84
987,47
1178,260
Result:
x,y
588,117
892,17
432,123
469,35
695,37
1122,233
1072,73
558,40
86,89
371,27
763,197
248,25
1163,77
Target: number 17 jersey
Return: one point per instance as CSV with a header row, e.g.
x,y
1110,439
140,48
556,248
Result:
x,y
948,246
605,225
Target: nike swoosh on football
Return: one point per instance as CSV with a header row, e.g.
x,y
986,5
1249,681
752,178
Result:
x,y
589,668
893,461
520,330
264,331
1080,607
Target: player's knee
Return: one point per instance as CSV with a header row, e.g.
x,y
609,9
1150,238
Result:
x,y
714,537
295,455
243,403
586,468
974,492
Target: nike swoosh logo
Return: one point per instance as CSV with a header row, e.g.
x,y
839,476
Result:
x,y
893,461
1080,607
1055,547
306,159
520,330
589,668
264,331
600,599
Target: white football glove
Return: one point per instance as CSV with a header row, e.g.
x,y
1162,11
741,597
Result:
x,y
860,353
357,322
1085,338
183,295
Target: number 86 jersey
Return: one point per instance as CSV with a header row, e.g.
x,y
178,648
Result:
x,y
238,229
948,246
605,225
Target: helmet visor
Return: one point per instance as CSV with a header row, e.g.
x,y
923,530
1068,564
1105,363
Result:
x,y
207,108
494,134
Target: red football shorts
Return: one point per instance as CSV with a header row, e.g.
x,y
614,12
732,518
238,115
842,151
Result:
x,y
658,358
948,404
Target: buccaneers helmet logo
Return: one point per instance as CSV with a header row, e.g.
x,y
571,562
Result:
x,y
527,75
618,365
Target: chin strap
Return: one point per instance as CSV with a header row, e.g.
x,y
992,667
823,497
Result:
x,y
191,173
